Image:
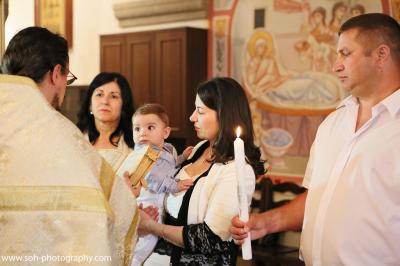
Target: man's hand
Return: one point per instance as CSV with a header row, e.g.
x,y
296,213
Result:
x,y
256,226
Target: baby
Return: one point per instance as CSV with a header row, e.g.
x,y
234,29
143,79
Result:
x,y
151,127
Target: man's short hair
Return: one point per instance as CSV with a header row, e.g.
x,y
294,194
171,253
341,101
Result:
x,y
155,109
34,51
375,29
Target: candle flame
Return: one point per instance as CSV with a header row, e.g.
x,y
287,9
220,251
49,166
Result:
x,y
238,131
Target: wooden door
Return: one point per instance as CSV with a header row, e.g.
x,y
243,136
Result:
x,y
140,66
170,58
112,52
162,66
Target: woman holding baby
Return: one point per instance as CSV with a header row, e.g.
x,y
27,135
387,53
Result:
x,y
196,229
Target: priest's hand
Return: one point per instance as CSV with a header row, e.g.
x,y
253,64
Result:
x,y
135,189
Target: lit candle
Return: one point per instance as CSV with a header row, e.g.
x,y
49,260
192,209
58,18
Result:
x,y
238,145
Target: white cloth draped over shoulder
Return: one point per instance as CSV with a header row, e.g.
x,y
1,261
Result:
x,y
115,157
57,196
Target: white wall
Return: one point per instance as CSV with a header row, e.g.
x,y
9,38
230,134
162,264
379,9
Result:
x,y
91,18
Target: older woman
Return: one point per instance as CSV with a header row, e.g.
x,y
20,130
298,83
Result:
x,y
105,117
196,229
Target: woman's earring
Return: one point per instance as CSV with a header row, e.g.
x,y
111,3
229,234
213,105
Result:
x,y
91,112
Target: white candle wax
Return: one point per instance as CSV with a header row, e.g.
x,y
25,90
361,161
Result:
x,y
238,145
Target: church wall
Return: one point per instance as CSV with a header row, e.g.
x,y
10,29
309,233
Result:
x,y
91,18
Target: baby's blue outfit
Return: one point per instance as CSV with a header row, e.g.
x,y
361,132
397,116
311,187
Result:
x,y
160,180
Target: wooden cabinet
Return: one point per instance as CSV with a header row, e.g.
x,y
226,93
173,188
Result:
x,y
112,51
163,66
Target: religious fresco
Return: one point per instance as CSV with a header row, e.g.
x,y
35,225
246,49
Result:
x,y
282,51
268,80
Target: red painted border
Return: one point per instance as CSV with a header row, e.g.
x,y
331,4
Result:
x,y
385,7
210,38
212,13
232,12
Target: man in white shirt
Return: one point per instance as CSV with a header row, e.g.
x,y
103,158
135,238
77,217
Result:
x,y
350,214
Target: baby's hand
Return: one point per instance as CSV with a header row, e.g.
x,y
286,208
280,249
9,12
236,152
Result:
x,y
184,184
187,152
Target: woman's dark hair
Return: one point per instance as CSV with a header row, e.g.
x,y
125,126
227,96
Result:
x,y
228,99
33,51
86,120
